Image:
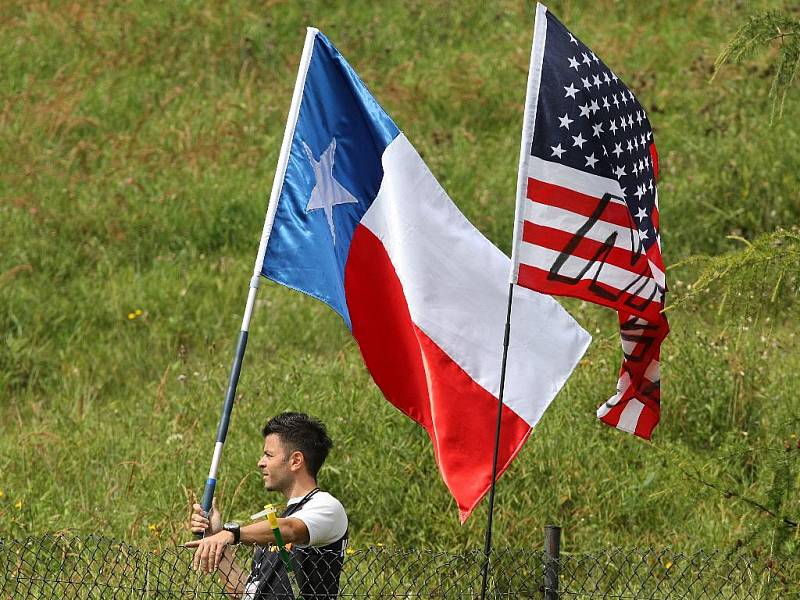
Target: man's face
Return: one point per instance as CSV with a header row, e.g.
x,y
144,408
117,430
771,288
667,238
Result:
x,y
275,465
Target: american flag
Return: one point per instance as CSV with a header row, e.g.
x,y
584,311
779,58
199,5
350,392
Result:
x,y
587,221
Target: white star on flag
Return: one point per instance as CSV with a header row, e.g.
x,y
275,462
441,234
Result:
x,y
571,91
327,192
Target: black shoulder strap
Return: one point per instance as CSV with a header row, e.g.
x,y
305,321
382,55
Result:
x,y
293,508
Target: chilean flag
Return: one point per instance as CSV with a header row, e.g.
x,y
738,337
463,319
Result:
x,y
358,221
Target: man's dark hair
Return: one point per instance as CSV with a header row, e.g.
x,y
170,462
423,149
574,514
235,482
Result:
x,y
299,432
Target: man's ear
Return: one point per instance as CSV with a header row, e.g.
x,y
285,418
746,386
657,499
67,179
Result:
x,y
296,460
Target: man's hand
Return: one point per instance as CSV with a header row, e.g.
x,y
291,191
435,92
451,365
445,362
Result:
x,y
200,523
209,551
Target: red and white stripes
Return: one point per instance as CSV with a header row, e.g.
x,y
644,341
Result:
x,y
579,239
635,407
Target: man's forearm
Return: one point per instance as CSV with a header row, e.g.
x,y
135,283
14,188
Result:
x,y
257,533
293,531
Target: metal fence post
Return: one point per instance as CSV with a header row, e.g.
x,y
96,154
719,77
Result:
x,y
552,552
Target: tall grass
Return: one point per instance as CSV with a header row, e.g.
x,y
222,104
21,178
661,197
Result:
x,y
137,145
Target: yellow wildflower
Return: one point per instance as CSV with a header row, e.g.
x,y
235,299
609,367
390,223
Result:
x,y
18,505
2,493
131,316
138,312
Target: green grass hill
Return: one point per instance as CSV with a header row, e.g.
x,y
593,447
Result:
x,y
138,143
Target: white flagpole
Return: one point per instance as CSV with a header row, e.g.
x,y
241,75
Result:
x,y
528,123
277,187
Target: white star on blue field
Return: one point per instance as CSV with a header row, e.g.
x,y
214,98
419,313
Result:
x,y
327,192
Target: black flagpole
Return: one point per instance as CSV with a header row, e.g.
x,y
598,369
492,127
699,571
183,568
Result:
x,y
534,75
487,549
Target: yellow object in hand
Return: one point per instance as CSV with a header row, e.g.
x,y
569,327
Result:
x,y
271,515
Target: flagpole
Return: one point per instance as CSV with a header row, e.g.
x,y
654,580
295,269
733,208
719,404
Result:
x,y
528,122
241,344
488,544
528,126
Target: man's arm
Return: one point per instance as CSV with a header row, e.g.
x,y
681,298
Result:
x,y
293,531
232,576
211,550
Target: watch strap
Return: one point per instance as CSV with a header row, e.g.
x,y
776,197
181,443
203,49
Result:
x,y
235,530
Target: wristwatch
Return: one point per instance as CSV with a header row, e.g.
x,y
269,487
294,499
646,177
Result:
x,y
233,527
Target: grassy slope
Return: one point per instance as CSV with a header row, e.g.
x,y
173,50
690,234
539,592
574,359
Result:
x,y
138,144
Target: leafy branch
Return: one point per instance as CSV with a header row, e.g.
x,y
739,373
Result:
x,y
764,273
727,493
759,33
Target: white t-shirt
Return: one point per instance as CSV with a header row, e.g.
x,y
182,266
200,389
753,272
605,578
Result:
x,y
324,517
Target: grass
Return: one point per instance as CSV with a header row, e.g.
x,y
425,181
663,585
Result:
x,y
138,143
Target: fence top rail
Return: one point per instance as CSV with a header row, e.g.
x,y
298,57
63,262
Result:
x,y
74,537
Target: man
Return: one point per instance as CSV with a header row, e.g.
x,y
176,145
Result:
x,y
314,523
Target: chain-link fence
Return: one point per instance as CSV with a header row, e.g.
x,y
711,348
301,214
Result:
x,y
66,566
